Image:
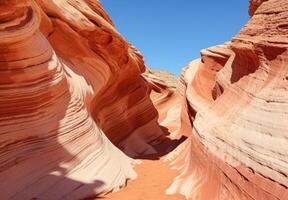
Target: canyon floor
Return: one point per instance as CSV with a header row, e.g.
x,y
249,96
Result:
x,y
154,177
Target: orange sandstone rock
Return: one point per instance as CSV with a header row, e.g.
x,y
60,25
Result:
x,y
68,80
237,99
70,84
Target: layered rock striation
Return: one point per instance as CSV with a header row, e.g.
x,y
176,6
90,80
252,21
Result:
x,y
71,87
237,102
69,83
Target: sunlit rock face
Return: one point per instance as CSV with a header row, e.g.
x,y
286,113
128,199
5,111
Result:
x,y
71,88
253,6
83,34
68,80
167,97
237,97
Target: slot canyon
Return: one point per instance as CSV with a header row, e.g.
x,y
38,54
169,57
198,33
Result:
x,y
83,117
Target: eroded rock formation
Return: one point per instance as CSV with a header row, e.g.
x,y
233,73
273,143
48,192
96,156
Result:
x,y
237,97
68,79
71,88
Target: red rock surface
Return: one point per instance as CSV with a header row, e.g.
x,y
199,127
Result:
x,y
71,88
68,79
237,96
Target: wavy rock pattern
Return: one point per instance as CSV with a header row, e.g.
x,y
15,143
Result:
x,y
59,96
70,84
168,100
238,101
123,110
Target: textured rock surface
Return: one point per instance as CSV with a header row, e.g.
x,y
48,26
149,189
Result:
x,y
70,84
68,79
167,96
238,101
121,105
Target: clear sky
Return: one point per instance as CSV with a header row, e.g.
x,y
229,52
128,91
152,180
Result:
x,y
171,33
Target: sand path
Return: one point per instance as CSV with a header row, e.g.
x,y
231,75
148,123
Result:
x,y
154,177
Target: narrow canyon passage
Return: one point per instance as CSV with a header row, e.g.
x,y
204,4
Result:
x,y
79,107
154,177
154,174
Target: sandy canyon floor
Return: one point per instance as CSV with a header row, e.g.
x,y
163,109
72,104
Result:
x,y
154,177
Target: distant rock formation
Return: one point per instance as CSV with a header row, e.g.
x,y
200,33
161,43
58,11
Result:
x,y
237,97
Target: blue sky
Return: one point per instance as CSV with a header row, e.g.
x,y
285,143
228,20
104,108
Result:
x,y
171,33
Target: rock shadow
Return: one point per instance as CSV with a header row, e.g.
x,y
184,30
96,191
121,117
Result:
x,y
164,147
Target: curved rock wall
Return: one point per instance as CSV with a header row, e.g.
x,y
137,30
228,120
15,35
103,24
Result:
x,y
61,97
70,84
120,102
238,101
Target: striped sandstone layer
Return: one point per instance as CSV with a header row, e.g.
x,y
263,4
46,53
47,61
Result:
x,y
68,82
237,97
